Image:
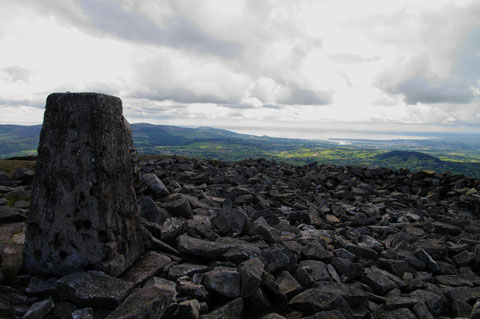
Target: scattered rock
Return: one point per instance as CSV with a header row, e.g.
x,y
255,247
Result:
x,y
150,211
251,272
39,309
261,239
288,285
223,280
10,215
92,289
180,208
189,309
85,313
200,247
186,269
39,287
231,310
192,290
314,300
378,280
155,185
24,175
147,266
151,302
433,301
172,228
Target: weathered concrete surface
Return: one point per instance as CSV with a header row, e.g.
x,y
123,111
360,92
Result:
x,y
83,211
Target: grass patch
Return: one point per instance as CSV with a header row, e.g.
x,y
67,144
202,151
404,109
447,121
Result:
x,y
15,196
144,157
10,166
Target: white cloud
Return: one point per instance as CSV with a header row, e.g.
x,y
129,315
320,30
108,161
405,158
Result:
x,y
248,62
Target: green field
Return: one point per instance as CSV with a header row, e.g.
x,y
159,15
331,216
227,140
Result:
x,y
458,153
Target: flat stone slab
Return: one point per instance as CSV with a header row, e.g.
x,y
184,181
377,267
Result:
x,y
39,309
148,265
231,310
186,269
11,215
92,289
314,300
223,280
39,287
151,302
200,247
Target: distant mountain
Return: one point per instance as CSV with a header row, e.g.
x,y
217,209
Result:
x,y
153,135
18,140
406,156
422,161
212,143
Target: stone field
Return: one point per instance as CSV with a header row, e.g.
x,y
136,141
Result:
x,y
260,239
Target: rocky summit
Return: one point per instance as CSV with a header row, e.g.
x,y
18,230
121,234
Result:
x,y
261,239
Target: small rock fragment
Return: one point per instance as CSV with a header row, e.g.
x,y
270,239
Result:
x,y
155,185
85,313
223,280
39,309
189,309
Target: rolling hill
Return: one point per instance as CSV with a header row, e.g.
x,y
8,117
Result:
x,y
212,143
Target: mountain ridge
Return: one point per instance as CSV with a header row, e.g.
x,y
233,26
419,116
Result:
x,y
221,144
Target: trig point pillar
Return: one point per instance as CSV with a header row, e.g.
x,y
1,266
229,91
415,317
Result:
x,y
83,212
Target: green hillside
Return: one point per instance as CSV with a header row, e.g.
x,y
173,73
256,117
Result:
x,y
18,140
458,154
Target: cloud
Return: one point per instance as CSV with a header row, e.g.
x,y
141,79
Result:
x,y
34,102
346,58
420,89
174,75
114,19
133,21
272,106
186,51
17,73
292,95
446,72
186,60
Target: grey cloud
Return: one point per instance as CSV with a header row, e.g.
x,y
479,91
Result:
x,y
456,89
17,73
157,79
241,106
347,79
420,85
185,96
113,18
110,17
294,95
23,102
419,89
179,95
272,106
142,106
346,58
351,58
468,57
235,115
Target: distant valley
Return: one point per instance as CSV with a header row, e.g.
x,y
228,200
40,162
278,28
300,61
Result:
x,y
455,153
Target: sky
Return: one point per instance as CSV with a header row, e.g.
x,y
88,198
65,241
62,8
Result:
x,y
277,66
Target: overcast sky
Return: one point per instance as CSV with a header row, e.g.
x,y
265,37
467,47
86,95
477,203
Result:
x,y
306,64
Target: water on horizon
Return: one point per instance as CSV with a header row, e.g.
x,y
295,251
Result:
x,y
338,136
